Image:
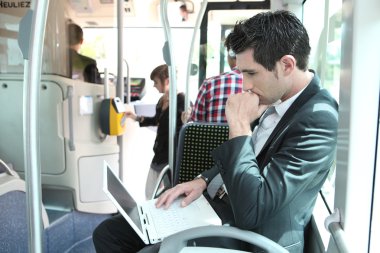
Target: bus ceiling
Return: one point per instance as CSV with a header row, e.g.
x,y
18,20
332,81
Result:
x,y
102,13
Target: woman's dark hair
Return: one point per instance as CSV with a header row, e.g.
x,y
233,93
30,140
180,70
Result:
x,y
271,35
161,72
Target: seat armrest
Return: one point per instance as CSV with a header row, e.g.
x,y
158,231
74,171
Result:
x,y
5,168
164,182
11,181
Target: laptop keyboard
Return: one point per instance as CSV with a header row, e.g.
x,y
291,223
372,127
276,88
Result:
x,y
171,220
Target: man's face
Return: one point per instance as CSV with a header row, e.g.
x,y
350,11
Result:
x,y
266,84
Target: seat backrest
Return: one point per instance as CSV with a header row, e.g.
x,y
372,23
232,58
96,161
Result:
x,y
13,218
71,232
12,184
195,143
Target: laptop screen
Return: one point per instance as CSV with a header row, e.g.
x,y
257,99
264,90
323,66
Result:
x,y
124,199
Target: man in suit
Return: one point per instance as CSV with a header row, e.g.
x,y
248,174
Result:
x,y
82,67
273,171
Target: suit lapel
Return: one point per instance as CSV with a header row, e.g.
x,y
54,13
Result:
x,y
309,92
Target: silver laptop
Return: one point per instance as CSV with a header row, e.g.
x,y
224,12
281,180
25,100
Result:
x,y
154,224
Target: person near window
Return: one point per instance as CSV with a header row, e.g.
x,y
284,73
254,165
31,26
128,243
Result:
x,y
82,67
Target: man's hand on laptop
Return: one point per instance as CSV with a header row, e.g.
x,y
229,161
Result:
x,y
191,190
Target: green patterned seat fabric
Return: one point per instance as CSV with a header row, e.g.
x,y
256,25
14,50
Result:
x,y
196,142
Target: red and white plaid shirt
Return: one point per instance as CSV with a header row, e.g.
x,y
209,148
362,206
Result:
x,y
213,94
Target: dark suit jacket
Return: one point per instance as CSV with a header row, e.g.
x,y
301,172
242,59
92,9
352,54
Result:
x,y
274,193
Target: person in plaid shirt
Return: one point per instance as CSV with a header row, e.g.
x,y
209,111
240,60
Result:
x,y
213,94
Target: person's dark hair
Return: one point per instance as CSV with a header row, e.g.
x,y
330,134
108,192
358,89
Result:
x,y
161,72
183,7
271,35
75,34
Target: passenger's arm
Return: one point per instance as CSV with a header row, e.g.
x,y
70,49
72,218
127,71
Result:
x,y
152,121
191,190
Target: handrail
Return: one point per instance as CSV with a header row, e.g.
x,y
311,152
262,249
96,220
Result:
x,y
178,241
168,56
70,91
332,224
128,92
196,28
32,77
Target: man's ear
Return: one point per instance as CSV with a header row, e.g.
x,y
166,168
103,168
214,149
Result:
x,y
288,63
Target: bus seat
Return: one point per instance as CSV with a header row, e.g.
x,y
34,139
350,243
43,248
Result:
x,y
72,146
72,232
13,188
195,143
13,229
13,218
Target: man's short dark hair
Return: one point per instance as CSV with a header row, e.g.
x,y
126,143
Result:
x,y
271,35
75,34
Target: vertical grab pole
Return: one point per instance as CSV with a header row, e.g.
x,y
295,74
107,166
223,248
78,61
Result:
x,y
105,83
196,28
168,56
120,77
31,41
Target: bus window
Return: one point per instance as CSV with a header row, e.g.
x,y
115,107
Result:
x,y
219,24
11,59
100,44
55,44
325,41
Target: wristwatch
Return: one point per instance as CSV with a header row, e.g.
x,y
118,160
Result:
x,y
203,177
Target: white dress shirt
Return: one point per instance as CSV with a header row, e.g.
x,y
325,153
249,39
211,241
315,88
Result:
x,y
269,121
